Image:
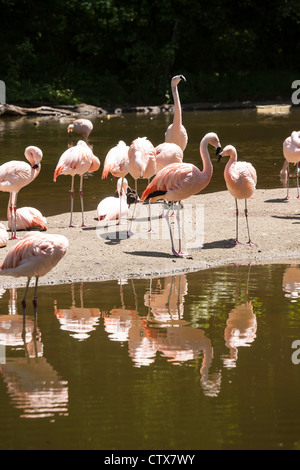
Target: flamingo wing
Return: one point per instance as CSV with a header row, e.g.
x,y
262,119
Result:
x,y
174,182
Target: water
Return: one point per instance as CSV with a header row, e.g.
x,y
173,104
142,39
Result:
x,y
196,361
257,138
199,361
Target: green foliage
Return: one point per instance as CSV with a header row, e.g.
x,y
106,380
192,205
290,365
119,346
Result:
x,y
113,51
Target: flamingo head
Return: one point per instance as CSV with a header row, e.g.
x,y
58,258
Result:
x,y
212,139
70,129
175,80
34,155
228,151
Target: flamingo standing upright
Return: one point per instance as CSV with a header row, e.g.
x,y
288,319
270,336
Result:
x,y
82,127
176,132
111,208
142,164
181,180
34,256
241,179
77,160
14,175
291,152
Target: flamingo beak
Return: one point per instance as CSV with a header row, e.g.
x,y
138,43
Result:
x,y
220,156
218,150
183,78
35,166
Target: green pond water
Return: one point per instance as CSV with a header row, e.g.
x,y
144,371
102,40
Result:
x,y
196,361
258,139
206,360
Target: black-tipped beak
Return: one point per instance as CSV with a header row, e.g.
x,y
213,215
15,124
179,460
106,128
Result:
x,y
218,150
35,166
183,78
220,156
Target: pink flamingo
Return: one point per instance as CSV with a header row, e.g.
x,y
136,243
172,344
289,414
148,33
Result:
x,y
116,162
291,152
14,175
142,164
34,256
182,180
77,160
176,132
28,218
83,127
167,153
111,208
3,235
241,179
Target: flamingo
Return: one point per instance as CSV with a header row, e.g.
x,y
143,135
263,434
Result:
x,y
241,179
34,256
167,153
116,162
111,208
28,218
3,235
77,160
291,152
176,132
179,181
14,175
142,164
83,127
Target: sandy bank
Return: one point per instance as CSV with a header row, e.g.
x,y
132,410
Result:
x,y
96,253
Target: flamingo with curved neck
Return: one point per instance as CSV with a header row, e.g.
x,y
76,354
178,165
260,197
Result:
x,y
14,175
179,181
241,179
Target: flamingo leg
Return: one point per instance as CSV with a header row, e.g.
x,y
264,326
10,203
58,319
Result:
x,y
150,220
11,213
34,301
24,305
14,215
81,200
288,182
297,176
72,202
236,242
129,230
250,243
170,230
180,252
120,200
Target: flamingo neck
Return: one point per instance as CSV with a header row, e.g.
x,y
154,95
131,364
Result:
x,y
207,165
231,161
177,119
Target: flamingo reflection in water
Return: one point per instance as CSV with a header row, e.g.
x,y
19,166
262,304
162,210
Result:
x,y
79,321
32,383
241,326
291,282
163,330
